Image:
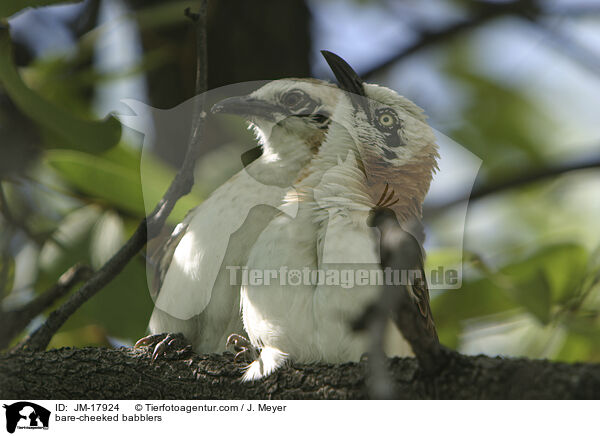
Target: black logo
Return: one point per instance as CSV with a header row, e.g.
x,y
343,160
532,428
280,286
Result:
x,y
26,415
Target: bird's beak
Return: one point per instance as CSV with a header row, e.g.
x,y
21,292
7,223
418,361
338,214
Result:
x,y
347,78
246,106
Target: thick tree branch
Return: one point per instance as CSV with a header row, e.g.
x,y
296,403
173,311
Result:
x,y
96,373
148,228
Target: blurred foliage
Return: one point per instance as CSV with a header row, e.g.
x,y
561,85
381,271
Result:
x,y
71,189
90,136
11,7
531,286
113,179
505,128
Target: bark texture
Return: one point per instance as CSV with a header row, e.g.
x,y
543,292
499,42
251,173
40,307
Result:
x,y
98,373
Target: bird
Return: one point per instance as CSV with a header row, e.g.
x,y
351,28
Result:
x,y
192,288
379,152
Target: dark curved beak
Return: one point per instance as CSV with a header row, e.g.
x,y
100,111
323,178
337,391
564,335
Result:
x,y
347,78
247,107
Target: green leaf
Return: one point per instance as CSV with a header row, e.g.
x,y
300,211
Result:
x,y
114,179
548,276
580,348
551,275
11,7
534,295
79,134
477,298
100,178
563,266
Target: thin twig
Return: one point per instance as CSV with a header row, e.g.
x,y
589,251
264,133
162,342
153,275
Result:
x,y
184,180
568,47
148,228
14,321
516,181
574,11
485,13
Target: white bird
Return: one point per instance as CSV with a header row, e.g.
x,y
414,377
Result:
x,y
379,149
193,291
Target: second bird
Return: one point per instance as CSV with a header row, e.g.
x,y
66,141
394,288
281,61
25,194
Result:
x,y
379,152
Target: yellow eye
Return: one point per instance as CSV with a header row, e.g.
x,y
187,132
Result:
x,y
386,120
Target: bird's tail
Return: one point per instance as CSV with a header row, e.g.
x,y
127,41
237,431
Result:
x,y
270,359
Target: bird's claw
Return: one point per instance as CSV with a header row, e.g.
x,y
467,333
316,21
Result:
x,y
164,343
147,340
243,347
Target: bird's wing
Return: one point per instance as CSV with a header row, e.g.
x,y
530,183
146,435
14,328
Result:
x,y
420,293
403,250
194,254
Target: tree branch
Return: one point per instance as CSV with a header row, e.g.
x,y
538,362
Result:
x,y
97,373
519,180
13,322
148,228
484,13
568,47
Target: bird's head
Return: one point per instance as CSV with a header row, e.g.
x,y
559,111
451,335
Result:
x,y
286,114
396,145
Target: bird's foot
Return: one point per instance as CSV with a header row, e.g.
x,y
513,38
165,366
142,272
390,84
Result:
x,y
164,343
243,348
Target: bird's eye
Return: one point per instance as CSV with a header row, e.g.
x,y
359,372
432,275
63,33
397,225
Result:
x,y
386,119
293,99
388,123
